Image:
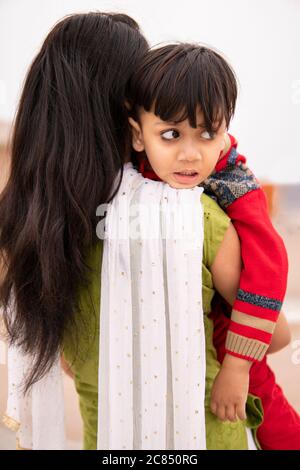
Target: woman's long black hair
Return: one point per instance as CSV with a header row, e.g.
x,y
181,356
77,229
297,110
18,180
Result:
x,y
69,143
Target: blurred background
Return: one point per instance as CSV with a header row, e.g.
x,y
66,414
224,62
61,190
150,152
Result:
x,y
261,40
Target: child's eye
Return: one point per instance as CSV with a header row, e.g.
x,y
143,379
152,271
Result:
x,y
208,135
170,135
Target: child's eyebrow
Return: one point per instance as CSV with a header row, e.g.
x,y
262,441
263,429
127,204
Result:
x,y
175,123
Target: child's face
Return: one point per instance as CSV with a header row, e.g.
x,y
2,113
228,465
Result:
x,y
175,148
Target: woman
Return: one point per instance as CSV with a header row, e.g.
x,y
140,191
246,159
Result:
x,y
69,143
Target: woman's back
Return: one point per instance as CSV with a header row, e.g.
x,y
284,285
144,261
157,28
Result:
x,y
82,352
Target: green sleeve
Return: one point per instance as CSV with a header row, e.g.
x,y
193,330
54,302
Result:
x,y
81,347
80,338
216,222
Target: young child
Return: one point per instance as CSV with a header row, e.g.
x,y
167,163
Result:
x,y
168,97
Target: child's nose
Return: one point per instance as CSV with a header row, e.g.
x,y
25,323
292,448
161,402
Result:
x,y
190,152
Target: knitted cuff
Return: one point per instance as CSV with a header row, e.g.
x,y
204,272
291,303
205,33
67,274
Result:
x,y
245,348
249,336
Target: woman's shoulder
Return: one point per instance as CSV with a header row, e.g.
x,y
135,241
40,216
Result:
x,y
210,205
215,222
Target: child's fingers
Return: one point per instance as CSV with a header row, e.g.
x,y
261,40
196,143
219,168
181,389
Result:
x,y
231,413
221,413
241,410
213,407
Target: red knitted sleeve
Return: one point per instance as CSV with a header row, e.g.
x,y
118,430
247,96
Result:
x,y
264,272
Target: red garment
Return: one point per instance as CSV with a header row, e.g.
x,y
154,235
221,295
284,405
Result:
x,y
280,429
263,278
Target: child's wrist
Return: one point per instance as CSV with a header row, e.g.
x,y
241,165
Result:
x,y
236,363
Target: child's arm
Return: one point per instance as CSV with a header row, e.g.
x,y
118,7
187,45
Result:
x,y
281,336
263,279
230,389
227,279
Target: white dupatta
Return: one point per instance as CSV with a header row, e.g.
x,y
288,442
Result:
x,y
152,341
38,417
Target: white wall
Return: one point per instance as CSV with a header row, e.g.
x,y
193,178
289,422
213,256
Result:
x,y
261,39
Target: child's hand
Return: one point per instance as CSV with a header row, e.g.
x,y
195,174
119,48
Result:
x,y
230,389
231,178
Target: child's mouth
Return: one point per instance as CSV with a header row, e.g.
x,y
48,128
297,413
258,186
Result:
x,y
186,177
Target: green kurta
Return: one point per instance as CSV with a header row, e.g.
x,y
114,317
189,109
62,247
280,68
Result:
x,y
82,352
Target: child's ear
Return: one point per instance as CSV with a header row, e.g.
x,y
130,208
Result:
x,y
226,143
137,136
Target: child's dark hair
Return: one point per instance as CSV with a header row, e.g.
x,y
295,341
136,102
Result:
x,y
68,146
172,80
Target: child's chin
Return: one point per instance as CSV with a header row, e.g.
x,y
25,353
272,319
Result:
x,y
175,185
